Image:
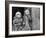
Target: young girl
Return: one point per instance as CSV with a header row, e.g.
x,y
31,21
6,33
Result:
x,y
17,22
27,18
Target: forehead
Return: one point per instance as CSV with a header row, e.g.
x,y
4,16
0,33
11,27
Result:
x,y
27,10
18,13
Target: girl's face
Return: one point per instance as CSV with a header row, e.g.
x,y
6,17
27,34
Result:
x,y
27,12
18,14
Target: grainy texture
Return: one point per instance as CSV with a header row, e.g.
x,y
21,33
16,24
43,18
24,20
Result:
x,y
35,18
30,18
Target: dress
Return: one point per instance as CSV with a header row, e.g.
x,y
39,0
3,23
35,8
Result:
x,y
17,22
26,21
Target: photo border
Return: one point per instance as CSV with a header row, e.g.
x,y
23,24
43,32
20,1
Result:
x,y
7,18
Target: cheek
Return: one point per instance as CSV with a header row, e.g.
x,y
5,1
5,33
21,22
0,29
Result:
x,y
18,15
27,12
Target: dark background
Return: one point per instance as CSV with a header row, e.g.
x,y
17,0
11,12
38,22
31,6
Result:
x,y
15,9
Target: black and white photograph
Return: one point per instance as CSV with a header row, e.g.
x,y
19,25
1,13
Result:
x,y
25,19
